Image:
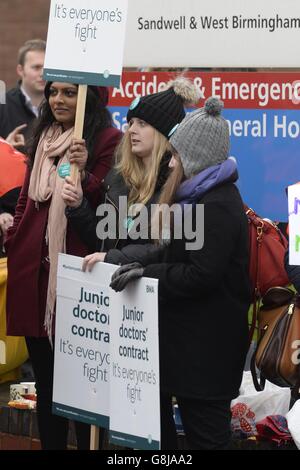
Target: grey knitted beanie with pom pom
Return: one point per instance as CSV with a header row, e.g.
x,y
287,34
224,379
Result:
x,y
202,138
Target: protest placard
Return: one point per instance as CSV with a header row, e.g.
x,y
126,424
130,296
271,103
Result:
x,y
294,224
134,368
85,41
82,356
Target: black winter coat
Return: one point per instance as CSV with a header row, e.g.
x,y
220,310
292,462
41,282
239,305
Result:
x,y
84,219
14,113
204,296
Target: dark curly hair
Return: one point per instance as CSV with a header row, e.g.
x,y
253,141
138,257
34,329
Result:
x,y
97,117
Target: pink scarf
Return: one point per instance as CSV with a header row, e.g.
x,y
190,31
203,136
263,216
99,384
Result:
x,y
45,184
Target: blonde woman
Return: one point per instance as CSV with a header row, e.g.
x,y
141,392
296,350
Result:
x,y
139,175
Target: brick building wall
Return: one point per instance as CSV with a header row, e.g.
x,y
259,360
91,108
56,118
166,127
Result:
x,y
20,20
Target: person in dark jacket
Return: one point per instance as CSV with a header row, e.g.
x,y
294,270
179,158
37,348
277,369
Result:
x,y
20,110
204,293
40,231
140,172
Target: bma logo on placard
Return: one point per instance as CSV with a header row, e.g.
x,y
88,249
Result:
x,y
150,289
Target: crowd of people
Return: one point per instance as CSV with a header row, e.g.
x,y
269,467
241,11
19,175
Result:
x,y
164,157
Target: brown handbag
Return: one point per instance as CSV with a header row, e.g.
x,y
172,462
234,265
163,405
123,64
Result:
x,y
277,356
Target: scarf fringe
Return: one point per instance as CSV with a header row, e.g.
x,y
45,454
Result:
x,y
48,324
45,184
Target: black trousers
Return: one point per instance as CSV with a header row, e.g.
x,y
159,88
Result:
x,y
53,429
207,423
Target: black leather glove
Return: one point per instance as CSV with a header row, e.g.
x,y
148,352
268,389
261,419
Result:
x,y
127,273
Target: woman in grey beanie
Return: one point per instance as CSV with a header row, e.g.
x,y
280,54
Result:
x,y
204,293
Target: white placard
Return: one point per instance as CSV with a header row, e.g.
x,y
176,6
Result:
x,y
85,42
294,224
134,371
213,33
82,356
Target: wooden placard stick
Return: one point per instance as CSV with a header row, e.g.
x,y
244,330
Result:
x,y
78,132
79,122
94,442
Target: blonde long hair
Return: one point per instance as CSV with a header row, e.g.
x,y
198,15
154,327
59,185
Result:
x,y
142,184
173,182
166,199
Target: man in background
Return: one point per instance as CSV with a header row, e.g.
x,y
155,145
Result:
x,y
19,112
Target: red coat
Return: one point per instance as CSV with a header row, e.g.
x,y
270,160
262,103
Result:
x,y
12,167
27,269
